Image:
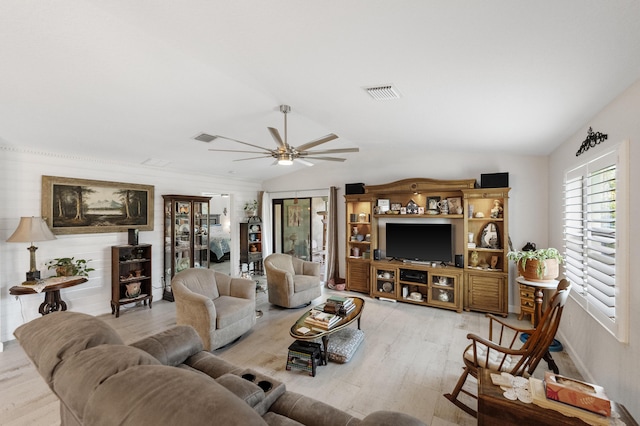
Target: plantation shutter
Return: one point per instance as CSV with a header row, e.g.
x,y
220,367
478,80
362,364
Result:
x,y
574,220
601,235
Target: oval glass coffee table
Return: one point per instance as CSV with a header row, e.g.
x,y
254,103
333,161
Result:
x,y
315,332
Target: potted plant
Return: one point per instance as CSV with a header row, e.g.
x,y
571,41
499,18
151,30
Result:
x,y
69,267
251,207
539,265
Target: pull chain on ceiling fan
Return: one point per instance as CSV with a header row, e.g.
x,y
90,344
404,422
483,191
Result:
x,y
285,154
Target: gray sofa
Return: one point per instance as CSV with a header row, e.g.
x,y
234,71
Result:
x,y
165,379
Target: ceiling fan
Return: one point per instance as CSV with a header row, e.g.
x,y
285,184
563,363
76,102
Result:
x,y
286,154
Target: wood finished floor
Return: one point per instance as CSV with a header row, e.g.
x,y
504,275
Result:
x,y
411,355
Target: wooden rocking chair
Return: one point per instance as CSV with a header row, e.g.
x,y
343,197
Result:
x,y
501,355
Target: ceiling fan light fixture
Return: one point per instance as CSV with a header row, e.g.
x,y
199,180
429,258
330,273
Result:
x,y
285,159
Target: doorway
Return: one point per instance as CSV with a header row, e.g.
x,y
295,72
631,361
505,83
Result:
x,y
299,227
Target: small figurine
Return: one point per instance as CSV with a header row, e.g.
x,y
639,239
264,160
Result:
x,y
496,211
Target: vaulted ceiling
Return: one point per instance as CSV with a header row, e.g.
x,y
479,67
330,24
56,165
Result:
x,y
137,80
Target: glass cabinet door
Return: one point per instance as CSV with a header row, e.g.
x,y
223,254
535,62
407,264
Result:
x,y
186,235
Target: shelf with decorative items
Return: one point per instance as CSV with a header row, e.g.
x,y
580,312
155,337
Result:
x,y
186,236
435,286
130,276
385,281
485,255
360,242
251,245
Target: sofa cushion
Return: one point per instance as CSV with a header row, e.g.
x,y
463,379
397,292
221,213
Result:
x,y
51,338
79,375
304,282
248,391
172,346
210,364
162,395
310,411
230,310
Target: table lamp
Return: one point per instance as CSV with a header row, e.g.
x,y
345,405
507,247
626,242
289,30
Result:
x,y
32,229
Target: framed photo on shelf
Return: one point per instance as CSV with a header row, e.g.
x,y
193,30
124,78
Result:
x,y
383,205
395,207
420,210
432,203
455,205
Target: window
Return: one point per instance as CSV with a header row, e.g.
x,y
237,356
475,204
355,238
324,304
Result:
x,y
596,237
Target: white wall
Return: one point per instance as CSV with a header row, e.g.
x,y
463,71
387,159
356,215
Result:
x,y
600,357
20,195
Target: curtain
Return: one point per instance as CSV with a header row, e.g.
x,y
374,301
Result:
x,y
333,271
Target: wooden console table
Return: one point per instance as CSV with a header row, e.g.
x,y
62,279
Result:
x,y
495,409
51,289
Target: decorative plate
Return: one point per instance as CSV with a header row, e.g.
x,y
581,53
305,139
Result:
x,y
387,287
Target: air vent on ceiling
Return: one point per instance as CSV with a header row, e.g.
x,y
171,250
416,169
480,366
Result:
x,y
204,137
383,93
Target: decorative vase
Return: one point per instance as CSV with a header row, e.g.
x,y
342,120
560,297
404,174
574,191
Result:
x,y
133,290
64,271
474,260
253,248
550,270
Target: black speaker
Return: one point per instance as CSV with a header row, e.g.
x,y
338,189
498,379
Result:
x,y
494,180
133,237
354,188
376,254
459,261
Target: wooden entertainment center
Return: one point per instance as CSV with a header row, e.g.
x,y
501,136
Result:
x,y
479,219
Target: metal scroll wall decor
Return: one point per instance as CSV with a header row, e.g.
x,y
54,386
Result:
x,y
592,140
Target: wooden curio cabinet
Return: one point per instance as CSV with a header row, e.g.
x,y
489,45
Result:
x,y
130,276
485,255
186,236
251,245
360,242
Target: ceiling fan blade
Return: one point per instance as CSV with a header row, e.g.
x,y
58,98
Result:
x,y
316,142
331,151
253,158
326,158
275,134
244,143
305,162
235,150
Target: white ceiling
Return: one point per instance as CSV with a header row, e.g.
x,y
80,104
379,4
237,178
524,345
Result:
x,y
137,80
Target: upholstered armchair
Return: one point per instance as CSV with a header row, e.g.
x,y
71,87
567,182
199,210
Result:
x,y
219,307
291,282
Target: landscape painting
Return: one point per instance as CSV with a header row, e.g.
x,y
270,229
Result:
x,y
80,206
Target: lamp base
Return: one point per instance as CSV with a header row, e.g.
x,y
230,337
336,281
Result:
x,y
33,275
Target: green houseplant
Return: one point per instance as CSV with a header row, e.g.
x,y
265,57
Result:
x,y
251,207
69,267
537,265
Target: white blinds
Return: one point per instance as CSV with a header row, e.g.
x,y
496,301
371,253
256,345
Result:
x,y
592,235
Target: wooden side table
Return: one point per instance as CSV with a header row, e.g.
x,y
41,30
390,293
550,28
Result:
x,y
495,409
51,289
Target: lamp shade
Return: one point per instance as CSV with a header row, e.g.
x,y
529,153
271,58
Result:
x,y
31,229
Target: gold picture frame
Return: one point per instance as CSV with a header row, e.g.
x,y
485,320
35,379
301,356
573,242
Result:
x,y
83,206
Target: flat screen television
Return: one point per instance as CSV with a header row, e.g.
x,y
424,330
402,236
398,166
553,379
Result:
x,y
424,242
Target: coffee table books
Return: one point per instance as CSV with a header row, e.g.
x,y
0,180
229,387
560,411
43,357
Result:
x,y
321,319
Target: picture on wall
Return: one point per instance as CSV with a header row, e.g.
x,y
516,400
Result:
x,y
80,206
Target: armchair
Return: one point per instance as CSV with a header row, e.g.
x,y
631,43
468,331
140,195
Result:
x,y
502,355
219,307
291,282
